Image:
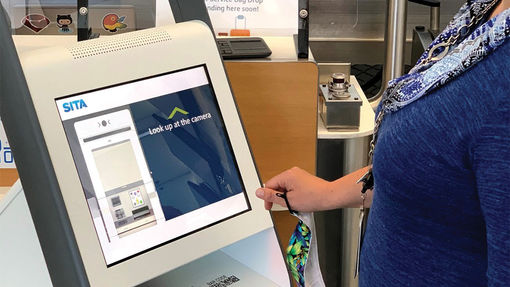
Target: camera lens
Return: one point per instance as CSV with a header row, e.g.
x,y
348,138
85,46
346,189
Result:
x,y
338,78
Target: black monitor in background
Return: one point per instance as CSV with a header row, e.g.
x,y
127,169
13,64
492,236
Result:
x,y
84,30
186,10
301,39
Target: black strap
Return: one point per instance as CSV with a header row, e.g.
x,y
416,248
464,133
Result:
x,y
368,181
284,196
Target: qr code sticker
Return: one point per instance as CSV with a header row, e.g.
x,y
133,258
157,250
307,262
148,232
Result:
x,y
223,281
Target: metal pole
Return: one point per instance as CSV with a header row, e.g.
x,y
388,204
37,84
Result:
x,y
395,39
434,19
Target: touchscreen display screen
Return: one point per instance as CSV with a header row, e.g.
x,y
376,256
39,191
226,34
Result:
x,y
154,160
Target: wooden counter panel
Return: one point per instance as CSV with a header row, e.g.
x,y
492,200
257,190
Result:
x,y
8,177
278,105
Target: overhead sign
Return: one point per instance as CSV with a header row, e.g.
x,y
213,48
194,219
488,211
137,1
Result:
x,y
6,159
253,17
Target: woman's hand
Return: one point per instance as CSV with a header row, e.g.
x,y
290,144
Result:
x,y
305,192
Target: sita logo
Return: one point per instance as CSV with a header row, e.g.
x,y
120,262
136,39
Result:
x,y
74,105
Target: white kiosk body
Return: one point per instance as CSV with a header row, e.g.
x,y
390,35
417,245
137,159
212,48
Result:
x,y
134,164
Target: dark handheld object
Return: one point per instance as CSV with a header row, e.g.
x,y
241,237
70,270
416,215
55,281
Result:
x,y
368,181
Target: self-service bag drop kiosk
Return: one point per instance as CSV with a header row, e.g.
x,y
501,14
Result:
x,y
134,165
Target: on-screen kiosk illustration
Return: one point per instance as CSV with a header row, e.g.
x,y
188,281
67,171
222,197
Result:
x,y
138,170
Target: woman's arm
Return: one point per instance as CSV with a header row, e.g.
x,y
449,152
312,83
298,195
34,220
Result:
x,y
306,192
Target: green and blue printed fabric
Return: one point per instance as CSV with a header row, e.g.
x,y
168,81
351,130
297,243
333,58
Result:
x,y
302,253
297,252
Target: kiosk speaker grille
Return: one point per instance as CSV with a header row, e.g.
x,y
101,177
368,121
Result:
x,y
127,41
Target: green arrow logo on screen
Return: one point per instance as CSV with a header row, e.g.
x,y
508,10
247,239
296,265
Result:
x,y
176,109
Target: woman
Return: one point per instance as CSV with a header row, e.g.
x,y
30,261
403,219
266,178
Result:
x,y
440,206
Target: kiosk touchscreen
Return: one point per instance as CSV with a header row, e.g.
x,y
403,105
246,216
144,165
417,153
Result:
x,y
137,163
154,160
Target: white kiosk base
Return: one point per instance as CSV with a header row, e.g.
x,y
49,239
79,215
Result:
x,y
240,264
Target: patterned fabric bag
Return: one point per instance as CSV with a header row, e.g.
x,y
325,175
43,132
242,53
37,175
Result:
x,y
302,253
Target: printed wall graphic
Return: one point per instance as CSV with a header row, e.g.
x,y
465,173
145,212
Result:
x,y
112,22
254,17
63,22
35,22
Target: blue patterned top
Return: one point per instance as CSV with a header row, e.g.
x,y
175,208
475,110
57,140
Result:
x,y
472,47
441,209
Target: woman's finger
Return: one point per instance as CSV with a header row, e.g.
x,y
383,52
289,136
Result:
x,y
268,205
269,196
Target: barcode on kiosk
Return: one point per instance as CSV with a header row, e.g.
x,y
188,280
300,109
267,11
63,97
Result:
x,y
223,281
